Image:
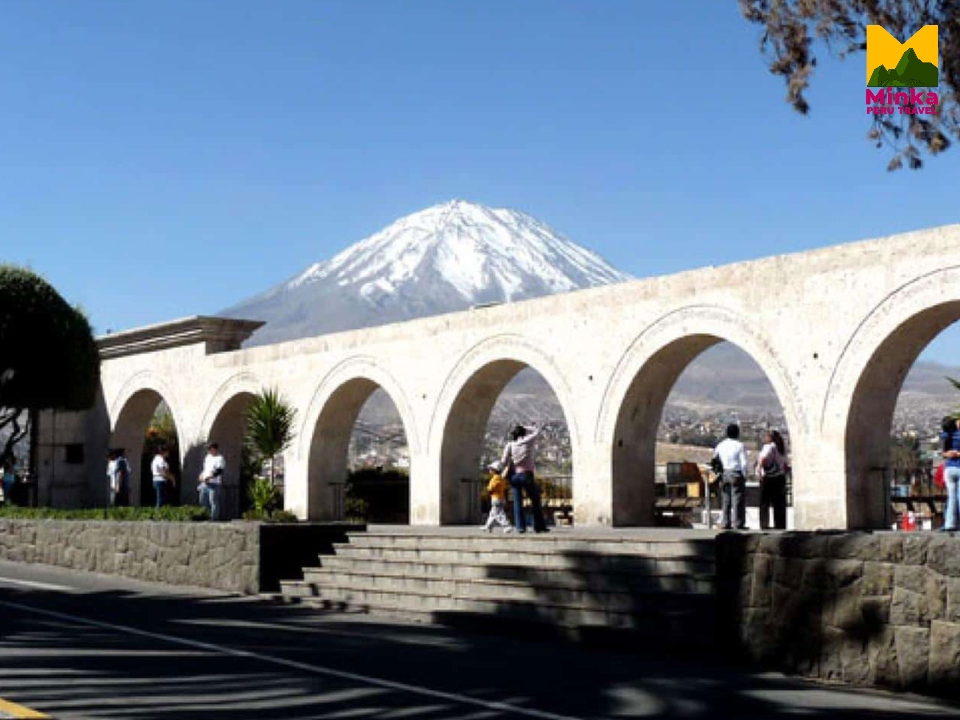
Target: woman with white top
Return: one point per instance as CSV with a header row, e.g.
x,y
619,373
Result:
x,y
772,471
520,452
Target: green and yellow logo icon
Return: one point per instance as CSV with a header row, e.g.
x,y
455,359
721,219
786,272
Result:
x,y
891,63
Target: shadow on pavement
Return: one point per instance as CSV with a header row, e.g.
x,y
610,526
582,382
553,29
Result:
x,y
71,670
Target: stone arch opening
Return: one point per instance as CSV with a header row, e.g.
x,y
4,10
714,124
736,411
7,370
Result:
x,y
359,462
639,427
145,421
868,438
493,399
228,431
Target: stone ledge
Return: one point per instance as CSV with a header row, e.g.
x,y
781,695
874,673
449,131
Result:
x,y
241,557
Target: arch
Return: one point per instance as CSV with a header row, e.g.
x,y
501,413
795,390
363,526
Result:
x,y
463,409
130,416
145,380
329,423
633,403
223,423
864,387
243,383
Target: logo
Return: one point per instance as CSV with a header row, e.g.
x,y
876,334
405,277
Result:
x,y
892,64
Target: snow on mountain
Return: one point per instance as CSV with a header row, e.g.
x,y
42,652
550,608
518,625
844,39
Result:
x,y
442,259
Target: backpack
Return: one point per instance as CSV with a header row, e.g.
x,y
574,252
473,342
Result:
x,y
938,475
771,464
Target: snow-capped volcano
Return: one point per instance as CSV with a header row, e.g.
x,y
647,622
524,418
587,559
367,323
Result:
x,y
442,259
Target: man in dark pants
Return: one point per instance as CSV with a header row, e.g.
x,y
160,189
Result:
x,y
733,457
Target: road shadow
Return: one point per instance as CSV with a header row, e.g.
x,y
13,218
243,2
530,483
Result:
x,y
297,663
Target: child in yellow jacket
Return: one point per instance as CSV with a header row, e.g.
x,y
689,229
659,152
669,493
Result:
x,y
497,488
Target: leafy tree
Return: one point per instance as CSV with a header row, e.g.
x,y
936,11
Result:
x,y
48,357
269,426
791,27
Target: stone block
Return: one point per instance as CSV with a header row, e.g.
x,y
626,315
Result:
x,y
952,591
877,578
803,545
788,572
915,549
907,608
943,556
944,662
891,548
769,543
911,577
859,546
883,658
842,608
935,588
913,651
840,573
762,582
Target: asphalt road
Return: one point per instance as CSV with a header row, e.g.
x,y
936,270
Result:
x,y
76,645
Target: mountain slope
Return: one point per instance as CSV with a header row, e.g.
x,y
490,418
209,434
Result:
x,y
446,258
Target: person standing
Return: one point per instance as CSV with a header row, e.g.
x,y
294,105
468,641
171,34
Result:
x,y
950,450
118,478
211,479
160,469
772,471
521,451
9,479
732,456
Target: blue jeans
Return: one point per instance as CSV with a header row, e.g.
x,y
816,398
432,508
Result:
x,y
951,476
210,499
160,488
520,482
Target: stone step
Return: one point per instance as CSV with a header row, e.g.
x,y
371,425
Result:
x,y
571,578
674,623
612,598
528,542
538,557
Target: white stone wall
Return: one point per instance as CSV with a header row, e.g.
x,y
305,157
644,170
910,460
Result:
x,y
812,321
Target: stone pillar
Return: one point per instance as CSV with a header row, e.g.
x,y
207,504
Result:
x,y
295,485
820,498
424,490
593,497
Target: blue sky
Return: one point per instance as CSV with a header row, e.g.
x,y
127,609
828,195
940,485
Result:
x,y
169,159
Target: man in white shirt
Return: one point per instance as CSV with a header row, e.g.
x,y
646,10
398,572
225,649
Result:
x,y
211,479
160,469
733,457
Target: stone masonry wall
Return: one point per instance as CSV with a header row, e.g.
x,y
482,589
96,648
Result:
x,y
860,608
224,556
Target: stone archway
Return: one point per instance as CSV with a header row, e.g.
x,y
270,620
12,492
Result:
x,y
227,430
866,383
633,405
133,414
330,423
464,409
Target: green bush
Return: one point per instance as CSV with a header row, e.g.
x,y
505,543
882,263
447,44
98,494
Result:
x,y
264,496
275,516
185,513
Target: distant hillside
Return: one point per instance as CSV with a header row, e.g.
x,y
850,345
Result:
x,y
724,379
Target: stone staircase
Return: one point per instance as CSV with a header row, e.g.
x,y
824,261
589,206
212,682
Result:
x,y
656,584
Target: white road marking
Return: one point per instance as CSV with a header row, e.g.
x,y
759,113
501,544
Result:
x,y
306,667
35,584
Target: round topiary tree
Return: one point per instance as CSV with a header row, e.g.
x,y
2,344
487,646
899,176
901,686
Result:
x,y
48,357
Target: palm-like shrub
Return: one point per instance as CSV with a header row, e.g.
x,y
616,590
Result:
x,y
269,427
264,496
